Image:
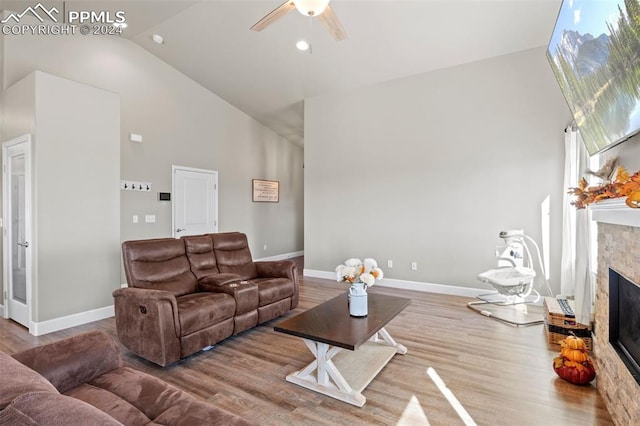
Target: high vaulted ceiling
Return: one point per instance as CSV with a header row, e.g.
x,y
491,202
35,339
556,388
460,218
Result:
x,y
264,75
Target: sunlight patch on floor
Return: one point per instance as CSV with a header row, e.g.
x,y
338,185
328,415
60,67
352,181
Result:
x,y
413,414
466,418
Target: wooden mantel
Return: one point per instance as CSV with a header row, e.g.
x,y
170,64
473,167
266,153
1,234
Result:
x,y
615,212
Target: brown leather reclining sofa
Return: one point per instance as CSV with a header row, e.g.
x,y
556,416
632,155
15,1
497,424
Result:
x,y
189,293
81,381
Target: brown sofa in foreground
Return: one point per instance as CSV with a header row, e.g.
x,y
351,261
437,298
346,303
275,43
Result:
x,y
81,381
189,293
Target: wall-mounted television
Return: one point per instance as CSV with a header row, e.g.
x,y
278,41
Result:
x,y
595,55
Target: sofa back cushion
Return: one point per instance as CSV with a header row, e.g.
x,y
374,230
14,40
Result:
x,y
200,254
70,362
158,264
17,379
233,254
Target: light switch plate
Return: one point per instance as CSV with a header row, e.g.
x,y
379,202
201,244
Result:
x,y
150,218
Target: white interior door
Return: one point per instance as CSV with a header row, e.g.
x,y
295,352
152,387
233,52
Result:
x,y
195,201
17,247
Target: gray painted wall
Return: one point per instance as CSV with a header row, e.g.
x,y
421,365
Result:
x,y
183,124
2,139
78,200
628,154
75,171
430,168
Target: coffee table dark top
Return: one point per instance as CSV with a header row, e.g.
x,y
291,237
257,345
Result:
x,y
331,323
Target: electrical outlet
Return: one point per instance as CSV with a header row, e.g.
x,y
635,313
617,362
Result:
x,y
389,264
265,247
414,266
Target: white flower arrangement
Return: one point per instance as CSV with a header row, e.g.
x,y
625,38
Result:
x,y
354,270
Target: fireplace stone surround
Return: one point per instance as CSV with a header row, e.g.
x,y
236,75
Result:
x,y
618,248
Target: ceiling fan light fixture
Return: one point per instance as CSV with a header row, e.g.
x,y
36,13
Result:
x,y
311,7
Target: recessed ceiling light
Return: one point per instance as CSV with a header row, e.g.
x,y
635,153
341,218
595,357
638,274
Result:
x,y
157,38
302,45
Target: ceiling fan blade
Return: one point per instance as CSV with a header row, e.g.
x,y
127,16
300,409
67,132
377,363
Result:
x,y
332,24
274,15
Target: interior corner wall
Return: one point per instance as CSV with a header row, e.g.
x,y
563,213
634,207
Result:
x,y
430,168
2,139
628,154
75,130
182,124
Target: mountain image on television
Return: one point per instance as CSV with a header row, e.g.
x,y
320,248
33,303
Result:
x,y
595,55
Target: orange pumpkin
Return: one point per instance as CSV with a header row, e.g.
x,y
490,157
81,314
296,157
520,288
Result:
x,y
573,363
576,355
573,342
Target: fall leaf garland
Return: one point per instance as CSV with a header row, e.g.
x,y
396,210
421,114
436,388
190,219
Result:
x,y
624,185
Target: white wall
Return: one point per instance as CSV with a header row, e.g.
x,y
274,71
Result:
x,y
430,168
628,154
183,124
2,139
76,201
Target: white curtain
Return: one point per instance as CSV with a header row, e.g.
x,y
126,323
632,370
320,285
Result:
x,y
576,278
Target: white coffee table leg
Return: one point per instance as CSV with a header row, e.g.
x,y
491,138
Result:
x,y
386,337
328,380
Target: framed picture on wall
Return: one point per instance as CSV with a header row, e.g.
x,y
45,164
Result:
x,y
266,191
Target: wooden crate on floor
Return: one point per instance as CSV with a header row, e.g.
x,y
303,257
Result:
x,y
560,322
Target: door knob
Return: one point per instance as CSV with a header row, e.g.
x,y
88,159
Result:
x,y
180,229
25,244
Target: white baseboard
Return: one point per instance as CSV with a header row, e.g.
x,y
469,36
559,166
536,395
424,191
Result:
x,y
409,285
56,324
284,256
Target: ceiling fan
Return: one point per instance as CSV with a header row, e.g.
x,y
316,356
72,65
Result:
x,y
316,8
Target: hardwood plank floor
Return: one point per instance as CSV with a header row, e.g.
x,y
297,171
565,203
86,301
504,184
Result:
x,y
502,375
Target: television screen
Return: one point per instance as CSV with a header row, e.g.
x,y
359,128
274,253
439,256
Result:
x,y
595,55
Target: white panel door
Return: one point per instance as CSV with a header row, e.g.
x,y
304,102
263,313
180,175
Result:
x,y
16,161
195,201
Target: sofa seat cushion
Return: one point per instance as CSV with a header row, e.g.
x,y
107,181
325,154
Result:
x,y
273,289
201,310
109,403
136,398
17,379
193,412
45,408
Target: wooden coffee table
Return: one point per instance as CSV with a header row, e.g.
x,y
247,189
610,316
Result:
x,y
328,329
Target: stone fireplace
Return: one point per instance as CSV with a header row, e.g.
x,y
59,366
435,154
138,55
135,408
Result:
x,y
618,248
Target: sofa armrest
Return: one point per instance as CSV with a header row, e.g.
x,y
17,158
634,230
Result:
x,y
70,362
281,269
277,269
148,324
